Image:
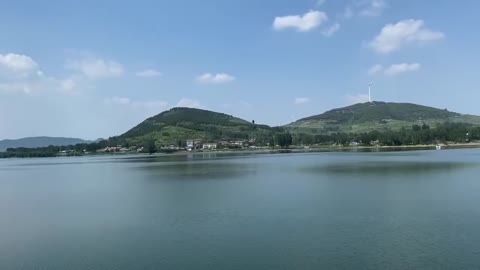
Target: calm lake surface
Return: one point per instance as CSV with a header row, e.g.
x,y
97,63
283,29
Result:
x,y
400,210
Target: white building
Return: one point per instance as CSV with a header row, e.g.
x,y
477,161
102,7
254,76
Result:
x,y
209,146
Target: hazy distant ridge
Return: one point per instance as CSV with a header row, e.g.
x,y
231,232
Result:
x,y
34,142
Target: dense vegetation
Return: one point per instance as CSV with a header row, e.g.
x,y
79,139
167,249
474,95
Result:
x,y
416,135
179,124
377,111
377,116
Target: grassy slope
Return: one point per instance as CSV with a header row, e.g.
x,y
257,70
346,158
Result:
x,y
186,123
379,116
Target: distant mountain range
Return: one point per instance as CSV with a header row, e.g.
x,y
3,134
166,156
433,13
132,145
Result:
x,y
186,123
34,142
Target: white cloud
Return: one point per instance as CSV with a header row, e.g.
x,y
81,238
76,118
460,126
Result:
x,y
366,8
190,103
215,78
21,74
68,84
359,98
331,30
17,63
301,100
394,69
148,73
395,36
320,2
305,23
372,7
93,68
401,68
375,70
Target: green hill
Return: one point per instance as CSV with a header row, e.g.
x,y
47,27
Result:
x,y
179,124
380,116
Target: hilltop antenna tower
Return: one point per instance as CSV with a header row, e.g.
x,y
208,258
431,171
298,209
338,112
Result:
x,y
369,92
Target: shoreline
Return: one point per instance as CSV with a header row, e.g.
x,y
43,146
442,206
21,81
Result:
x,y
296,149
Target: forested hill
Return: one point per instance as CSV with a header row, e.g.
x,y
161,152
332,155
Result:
x,y
380,116
34,142
179,124
376,123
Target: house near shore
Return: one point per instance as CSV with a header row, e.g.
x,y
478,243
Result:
x,y
209,146
193,144
239,143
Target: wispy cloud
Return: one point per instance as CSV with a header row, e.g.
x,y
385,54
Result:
x,y
374,70
17,64
302,23
372,7
148,73
219,78
68,84
95,68
331,30
301,100
395,36
401,68
394,69
366,8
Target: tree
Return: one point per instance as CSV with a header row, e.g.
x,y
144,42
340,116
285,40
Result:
x,y
271,142
149,146
283,139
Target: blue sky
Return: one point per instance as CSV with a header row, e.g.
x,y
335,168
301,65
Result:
x,y
96,68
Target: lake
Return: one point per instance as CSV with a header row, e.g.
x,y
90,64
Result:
x,y
390,210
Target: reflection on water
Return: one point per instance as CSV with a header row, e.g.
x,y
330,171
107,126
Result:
x,y
388,167
189,156
198,170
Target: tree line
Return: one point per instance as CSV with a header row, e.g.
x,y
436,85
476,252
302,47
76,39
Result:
x,y
416,135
